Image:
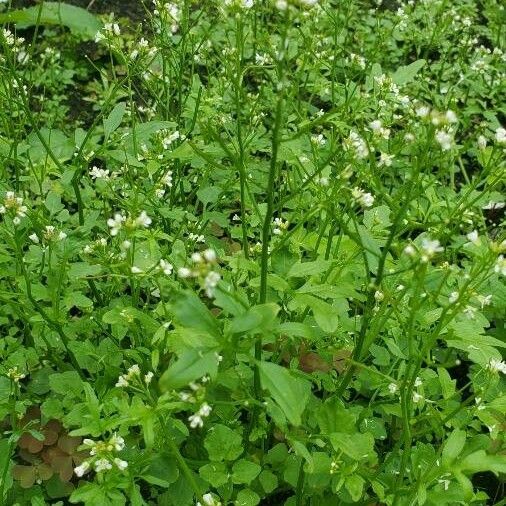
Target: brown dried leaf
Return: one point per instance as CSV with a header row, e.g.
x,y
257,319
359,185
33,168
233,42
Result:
x,y
68,444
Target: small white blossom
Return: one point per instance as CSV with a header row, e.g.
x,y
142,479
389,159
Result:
x,y
116,223
500,135
474,237
102,465
362,198
496,366
143,220
166,267
148,377
80,470
392,388
453,297
121,464
500,265
445,139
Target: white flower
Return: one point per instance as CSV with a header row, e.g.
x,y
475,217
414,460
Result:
x,y
135,270
80,470
451,117
453,297
148,377
392,388
279,226
358,144
121,464
318,140
410,250
281,5
196,257
117,441
473,237
195,421
34,237
210,255
210,283
376,125
362,198
166,267
102,465
482,142
143,220
418,382
494,205
97,173
116,223
417,397
385,160
445,139
205,410
497,366
134,370
500,265
423,111
122,381
500,135
379,296
184,272
431,247
484,300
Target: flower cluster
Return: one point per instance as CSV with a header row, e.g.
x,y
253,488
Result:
x,y
119,221
428,248
102,455
203,269
280,226
197,419
108,32
15,374
132,376
362,198
209,500
50,234
14,207
356,144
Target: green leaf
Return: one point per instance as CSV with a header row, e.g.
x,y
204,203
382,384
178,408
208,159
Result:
x,y
325,315
282,261
66,383
355,486
453,446
192,365
215,473
258,318
290,393
480,461
191,312
332,417
78,20
223,443
268,480
162,471
302,270
357,446
245,471
247,497
113,121
406,74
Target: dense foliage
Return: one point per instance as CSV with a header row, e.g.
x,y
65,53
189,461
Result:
x,y
252,252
